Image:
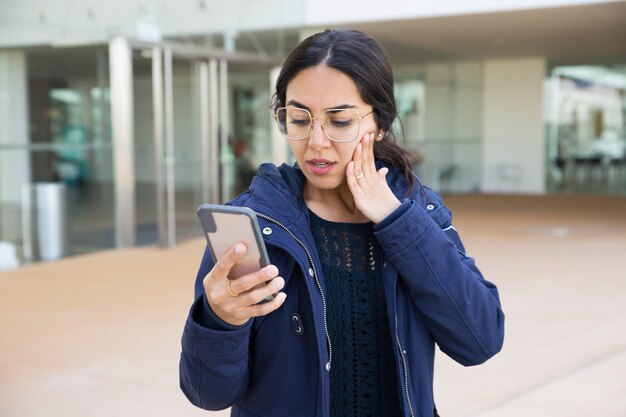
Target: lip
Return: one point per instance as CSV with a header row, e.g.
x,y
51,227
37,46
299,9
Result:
x,y
314,168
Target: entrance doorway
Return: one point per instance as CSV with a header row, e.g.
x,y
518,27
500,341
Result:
x,y
202,125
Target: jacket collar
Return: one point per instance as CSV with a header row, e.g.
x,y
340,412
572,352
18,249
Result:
x,y
278,190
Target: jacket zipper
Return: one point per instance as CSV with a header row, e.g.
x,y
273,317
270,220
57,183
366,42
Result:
x,y
404,368
317,282
402,355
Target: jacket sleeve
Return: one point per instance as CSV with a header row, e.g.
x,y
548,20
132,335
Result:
x,y
461,309
213,366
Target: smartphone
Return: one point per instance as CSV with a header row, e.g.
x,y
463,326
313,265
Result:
x,y
226,225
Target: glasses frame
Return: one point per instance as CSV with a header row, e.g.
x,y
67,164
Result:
x,y
313,119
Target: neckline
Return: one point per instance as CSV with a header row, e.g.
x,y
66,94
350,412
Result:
x,y
315,219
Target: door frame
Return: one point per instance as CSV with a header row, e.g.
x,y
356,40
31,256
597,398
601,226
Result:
x,y
212,79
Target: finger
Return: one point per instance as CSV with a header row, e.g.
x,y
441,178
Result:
x,y
353,183
357,159
371,153
227,260
365,166
382,173
249,281
266,290
266,308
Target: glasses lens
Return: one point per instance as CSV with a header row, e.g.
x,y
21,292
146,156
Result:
x,y
293,123
341,125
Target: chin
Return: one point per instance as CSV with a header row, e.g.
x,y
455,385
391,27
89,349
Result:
x,y
326,184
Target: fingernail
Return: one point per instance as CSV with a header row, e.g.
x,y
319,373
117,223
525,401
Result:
x,y
272,271
239,249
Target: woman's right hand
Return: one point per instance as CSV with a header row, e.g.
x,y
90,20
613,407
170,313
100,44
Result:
x,y
240,304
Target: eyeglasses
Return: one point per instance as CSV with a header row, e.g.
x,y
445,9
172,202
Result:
x,y
339,125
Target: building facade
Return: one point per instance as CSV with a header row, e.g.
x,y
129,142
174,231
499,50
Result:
x,y
142,110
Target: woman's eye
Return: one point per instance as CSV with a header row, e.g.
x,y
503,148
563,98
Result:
x,y
341,123
300,122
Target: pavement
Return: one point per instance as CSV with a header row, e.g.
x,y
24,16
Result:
x,y
99,334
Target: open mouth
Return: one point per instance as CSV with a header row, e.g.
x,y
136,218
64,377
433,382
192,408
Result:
x,y
320,166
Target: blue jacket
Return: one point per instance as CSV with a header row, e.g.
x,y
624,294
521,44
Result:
x,y
278,365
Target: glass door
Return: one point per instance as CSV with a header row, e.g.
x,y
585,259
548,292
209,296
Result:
x,y
169,153
185,155
202,125
250,141
60,139
146,226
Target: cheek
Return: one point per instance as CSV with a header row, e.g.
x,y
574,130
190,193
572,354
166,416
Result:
x,y
370,126
297,148
347,152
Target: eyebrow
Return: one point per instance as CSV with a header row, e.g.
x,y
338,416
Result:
x,y
341,106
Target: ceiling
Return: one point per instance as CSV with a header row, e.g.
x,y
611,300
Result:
x,y
588,34
574,35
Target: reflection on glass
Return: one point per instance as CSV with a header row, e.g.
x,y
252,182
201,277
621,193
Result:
x,y
251,124
68,143
587,129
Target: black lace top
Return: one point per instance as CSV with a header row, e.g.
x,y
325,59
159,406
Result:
x,y
362,378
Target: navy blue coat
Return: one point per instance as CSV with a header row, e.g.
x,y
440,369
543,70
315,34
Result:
x,y
278,365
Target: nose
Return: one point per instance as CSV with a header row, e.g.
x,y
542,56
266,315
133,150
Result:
x,y
318,138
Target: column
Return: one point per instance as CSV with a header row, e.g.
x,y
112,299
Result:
x,y
14,133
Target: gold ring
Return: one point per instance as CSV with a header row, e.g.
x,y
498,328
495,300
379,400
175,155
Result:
x,y
358,177
230,291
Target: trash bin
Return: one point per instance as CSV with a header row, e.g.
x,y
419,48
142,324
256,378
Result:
x,y
8,256
44,220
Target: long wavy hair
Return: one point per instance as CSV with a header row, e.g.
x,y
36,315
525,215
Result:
x,y
363,59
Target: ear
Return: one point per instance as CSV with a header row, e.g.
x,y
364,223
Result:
x,y
380,136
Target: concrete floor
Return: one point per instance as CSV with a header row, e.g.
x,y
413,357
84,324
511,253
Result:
x,y
99,334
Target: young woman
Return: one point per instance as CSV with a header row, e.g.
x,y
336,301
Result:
x,y
369,271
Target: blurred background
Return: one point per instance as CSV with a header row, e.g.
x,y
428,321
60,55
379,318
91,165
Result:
x,y
118,118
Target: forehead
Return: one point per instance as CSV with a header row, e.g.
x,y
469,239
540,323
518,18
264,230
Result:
x,y
322,87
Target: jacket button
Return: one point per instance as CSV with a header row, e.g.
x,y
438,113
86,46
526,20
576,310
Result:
x,y
311,271
267,230
430,207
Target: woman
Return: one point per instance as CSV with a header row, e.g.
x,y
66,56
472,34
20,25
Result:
x,y
368,270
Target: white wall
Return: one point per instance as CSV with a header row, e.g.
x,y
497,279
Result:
x,y
514,149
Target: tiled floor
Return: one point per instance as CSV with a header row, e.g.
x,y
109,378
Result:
x,y
99,335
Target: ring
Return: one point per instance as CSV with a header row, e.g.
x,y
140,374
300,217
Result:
x,y
230,291
358,177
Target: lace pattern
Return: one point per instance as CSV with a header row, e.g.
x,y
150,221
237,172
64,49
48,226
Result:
x,y
363,379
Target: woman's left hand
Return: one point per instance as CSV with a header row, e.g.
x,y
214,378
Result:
x,y
372,195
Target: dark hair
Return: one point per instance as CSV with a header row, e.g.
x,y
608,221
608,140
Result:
x,y
367,64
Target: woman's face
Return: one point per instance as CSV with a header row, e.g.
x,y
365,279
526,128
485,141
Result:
x,y
316,89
